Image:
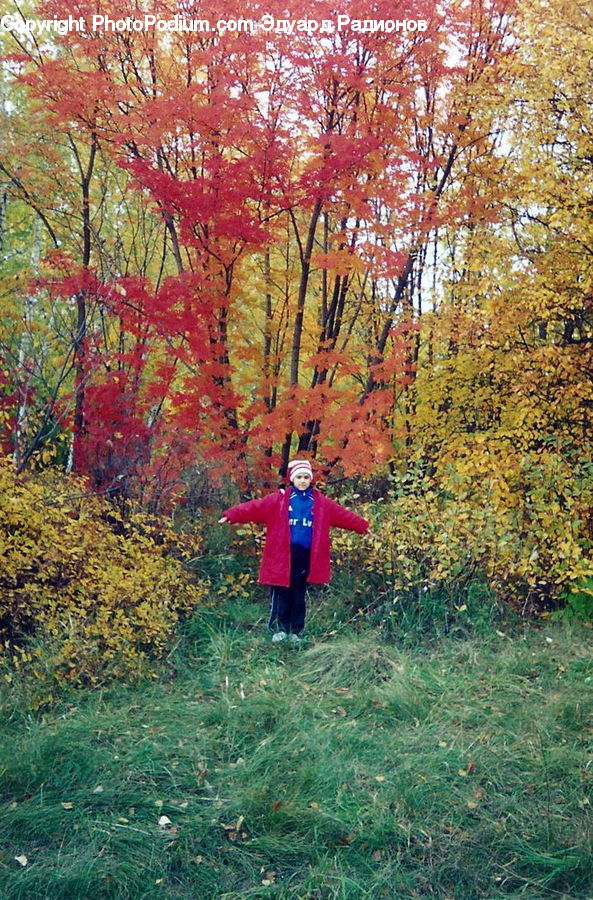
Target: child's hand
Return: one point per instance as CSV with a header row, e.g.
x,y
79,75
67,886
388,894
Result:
x,y
223,520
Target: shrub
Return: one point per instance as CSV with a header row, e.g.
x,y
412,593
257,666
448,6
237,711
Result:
x,y
100,588
516,521
418,574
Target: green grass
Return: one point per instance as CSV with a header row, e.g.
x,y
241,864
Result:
x,y
346,768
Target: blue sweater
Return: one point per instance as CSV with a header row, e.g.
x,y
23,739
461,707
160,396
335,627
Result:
x,y
300,517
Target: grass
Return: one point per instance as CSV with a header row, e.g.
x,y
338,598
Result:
x,y
346,768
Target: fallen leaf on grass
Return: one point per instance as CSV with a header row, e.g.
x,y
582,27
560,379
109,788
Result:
x,y
269,878
234,831
164,822
67,805
22,860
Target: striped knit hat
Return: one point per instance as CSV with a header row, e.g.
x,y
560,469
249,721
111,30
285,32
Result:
x,y
299,467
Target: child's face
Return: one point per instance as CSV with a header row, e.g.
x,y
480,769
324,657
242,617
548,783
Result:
x,y
302,481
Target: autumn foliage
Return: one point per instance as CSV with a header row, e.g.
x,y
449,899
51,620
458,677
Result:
x,y
101,590
253,285
371,248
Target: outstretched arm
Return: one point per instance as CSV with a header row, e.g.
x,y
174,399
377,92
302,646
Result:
x,y
340,517
251,511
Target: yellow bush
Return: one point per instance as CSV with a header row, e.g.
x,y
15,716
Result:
x,y
104,591
520,520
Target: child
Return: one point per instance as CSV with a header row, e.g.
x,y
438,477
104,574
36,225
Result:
x,y
297,547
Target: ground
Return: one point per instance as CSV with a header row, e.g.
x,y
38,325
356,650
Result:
x,y
349,767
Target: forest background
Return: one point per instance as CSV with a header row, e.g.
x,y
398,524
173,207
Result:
x,y
368,244
362,235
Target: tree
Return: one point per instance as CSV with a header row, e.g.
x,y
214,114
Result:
x,y
300,181
505,404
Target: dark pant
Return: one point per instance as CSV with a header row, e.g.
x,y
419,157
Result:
x,y
288,603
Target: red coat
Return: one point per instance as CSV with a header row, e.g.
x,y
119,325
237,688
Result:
x,y
272,511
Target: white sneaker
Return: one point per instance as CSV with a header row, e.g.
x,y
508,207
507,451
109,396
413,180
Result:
x,y
295,638
279,636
